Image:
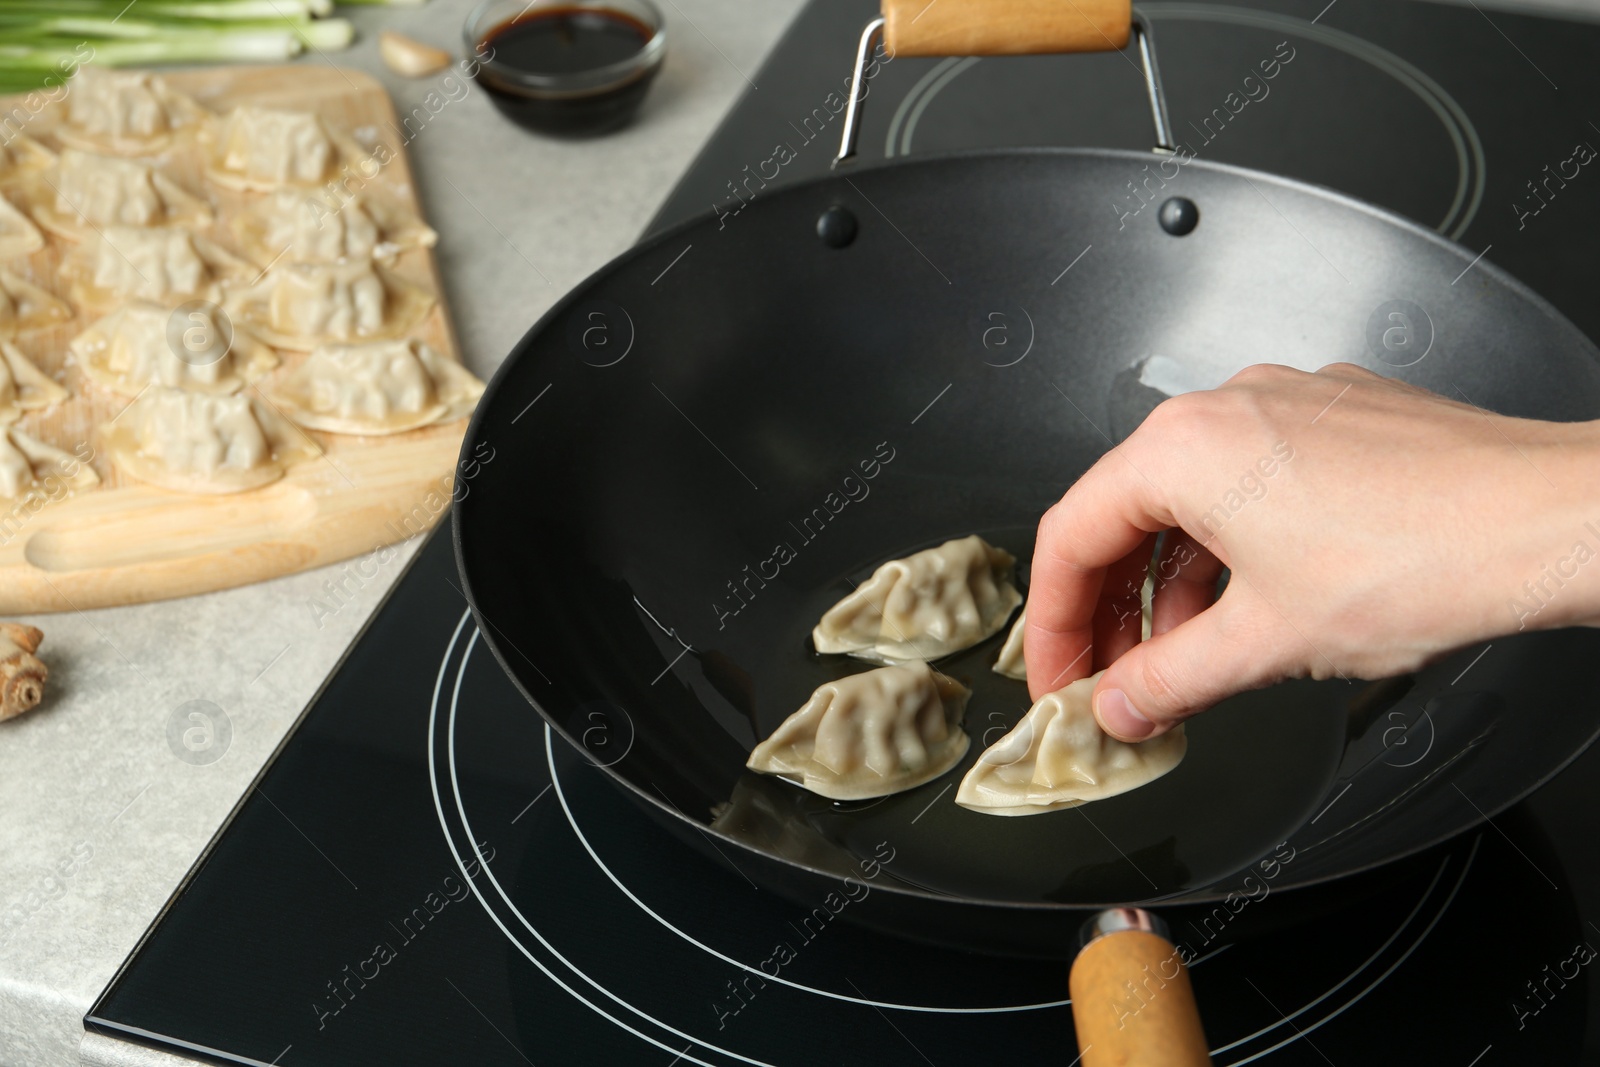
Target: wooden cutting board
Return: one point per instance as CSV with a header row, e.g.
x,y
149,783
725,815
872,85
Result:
x,y
126,542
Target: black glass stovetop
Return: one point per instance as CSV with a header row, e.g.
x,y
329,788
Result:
x,y
424,874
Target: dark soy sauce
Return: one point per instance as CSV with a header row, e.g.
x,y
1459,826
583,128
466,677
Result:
x,y
568,40
553,42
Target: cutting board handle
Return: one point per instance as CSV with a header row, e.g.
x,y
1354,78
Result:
x,y
1004,27
1132,1003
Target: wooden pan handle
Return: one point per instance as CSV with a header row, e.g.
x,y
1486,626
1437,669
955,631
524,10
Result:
x,y
1004,27
1133,1006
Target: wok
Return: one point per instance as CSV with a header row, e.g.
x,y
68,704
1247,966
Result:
x,y
713,438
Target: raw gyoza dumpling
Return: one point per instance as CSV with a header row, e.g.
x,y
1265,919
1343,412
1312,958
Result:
x,y
89,191
30,467
264,148
302,305
23,386
1010,662
306,227
869,735
310,226
1058,757
202,442
128,112
930,604
24,307
18,235
141,344
20,156
377,388
166,263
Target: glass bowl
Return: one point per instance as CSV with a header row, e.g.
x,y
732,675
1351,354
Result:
x,y
562,66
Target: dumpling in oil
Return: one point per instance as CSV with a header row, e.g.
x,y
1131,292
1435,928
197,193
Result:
x,y
869,735
201,442
265,148
148,344
1058,757
302,305
378,388
1010,662
925,606
128,112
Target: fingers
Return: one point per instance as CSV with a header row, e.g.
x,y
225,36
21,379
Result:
x,y
1160,682
1119,618
1186,582
1102,520
1350,372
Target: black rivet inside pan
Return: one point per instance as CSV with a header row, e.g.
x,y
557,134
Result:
x,y
836,226
1178,216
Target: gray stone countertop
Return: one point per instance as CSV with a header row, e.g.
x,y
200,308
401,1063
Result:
x,y
99,819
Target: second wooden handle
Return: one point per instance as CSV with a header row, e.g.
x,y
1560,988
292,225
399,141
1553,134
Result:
x,y
1133,1006
1004,27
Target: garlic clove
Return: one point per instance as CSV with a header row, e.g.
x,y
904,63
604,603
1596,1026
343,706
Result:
x,y
410,58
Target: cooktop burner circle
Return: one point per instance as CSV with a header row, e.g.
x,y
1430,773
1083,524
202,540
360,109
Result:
x,y
451,727
1467,145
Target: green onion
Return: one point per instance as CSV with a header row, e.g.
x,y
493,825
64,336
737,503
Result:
x,y
40,39
166,10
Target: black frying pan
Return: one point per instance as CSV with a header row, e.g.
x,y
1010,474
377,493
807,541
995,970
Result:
x,y
713,394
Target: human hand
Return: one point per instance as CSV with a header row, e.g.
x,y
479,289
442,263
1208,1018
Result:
x,y
1368,527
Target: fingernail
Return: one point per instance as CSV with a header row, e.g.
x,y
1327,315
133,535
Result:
x,y
1118,715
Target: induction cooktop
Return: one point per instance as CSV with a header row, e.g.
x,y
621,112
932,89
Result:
x,y
424,873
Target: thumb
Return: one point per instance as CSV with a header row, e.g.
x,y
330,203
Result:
x,y
1158,683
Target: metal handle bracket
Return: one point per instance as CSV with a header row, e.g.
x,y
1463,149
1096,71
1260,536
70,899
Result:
x,y
872,37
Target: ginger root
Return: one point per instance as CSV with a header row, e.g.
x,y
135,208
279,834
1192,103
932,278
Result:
x,y
22,674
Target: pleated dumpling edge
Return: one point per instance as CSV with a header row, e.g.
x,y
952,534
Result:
x,y
925,606
1058,757
869,735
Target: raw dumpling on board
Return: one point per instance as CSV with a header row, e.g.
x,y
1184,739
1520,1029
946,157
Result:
x,y
90,191
869,735
29,467
18,235
23,386
377,388
138,345
308,226
166,263
927,605
131,113
24,307
20,156
202,442
1058,757
262,148
303,305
